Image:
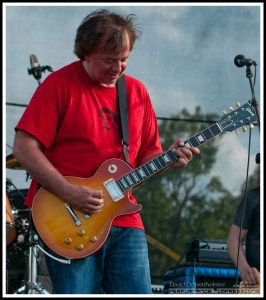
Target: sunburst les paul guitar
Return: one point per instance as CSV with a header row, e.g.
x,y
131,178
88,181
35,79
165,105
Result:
x,y
73,234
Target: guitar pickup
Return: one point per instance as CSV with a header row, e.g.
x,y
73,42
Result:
x,y
113,190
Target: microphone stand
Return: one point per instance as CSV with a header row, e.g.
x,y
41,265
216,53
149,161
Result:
x,y
37,72
254,103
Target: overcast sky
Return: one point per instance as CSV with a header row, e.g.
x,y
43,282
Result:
x,y
185,57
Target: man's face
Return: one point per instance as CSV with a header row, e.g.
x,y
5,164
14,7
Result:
x,y
106,67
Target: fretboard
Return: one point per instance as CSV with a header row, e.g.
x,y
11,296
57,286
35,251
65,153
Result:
x,y
162,161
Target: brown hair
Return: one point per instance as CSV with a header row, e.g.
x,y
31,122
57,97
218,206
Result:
x,y
103,26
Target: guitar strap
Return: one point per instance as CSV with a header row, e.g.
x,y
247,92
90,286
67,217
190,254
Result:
x,y
123,115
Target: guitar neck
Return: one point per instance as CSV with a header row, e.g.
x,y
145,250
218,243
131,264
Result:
x,y
162,161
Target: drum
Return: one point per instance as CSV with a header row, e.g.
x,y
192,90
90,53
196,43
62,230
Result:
x,y
17,249
17,215
11,232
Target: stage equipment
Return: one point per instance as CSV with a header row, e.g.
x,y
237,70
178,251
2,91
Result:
x,y
200,279
12,163
241,61
36,70
209,251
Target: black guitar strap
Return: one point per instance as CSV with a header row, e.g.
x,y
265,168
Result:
x,y
123,114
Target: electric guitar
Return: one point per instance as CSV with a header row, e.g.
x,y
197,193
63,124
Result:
x,y
73,234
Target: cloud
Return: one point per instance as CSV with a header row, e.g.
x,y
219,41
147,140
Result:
x,y
231,163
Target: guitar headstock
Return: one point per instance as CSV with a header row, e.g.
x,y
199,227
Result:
x,y
242,115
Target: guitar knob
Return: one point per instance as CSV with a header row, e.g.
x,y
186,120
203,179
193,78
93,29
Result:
x,y
68,241
80,246
93,238
81,232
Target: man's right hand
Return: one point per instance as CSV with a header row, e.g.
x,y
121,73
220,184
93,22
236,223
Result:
x,y
84,198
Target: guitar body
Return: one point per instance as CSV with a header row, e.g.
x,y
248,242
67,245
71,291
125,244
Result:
x,y
62,234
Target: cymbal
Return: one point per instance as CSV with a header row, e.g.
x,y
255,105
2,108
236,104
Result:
x,y
13,163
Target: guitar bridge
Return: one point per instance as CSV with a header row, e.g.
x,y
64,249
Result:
x,y
113,190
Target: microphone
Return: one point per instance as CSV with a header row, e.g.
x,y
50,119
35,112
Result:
x,y
35,67
36,70
34,61
240,61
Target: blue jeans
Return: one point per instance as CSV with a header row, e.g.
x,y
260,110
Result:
x,y
121,266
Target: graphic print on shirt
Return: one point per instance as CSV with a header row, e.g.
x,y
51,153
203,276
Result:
x,y
109,118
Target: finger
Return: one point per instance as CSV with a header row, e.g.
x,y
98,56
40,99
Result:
x,y
93,208
184,153
95,201
194,150
97,193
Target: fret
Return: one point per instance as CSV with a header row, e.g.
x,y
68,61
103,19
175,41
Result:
x,y
146,170
200,138
137,173
120,182
124,182
166,158
135,176
120,185
215,129
188,144
207,133
171,155
157,163
161,160
203,136
142,173
128,182
149,169
129,179
153,166
194,142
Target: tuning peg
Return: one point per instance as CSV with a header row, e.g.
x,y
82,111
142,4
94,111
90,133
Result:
x,y
244,129
224,112
237,132
231,108
251,126
238,104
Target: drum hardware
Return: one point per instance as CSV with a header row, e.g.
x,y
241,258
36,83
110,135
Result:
x,y
14,216
24,242
31,286
13,163
11,232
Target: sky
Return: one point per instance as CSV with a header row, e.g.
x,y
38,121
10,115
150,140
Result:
x,y
185,58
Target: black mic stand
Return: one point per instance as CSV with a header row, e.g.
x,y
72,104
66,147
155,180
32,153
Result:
x,y
37,72
254,103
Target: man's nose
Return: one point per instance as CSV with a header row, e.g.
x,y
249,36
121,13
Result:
x,y
117,67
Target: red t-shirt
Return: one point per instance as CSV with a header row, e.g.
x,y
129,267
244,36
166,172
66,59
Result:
x,y
77,122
